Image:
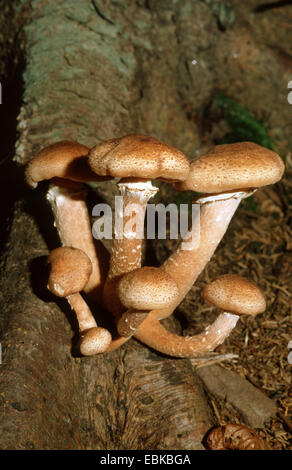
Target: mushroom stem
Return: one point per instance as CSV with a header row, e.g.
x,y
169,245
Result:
x,y
130,322
69,274
153,334
234,296
68,202
93,338
127,244
184,266
116,343
83,313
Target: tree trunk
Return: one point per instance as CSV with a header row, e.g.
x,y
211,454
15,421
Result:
x,y
94,70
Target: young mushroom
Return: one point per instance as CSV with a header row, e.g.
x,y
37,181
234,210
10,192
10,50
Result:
x,y
135,159
70,269
142,290
233,294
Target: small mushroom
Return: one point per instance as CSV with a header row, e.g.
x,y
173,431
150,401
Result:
x,y
232,294
94,341
69,274
147,288
142,290
136,159
235,295
70,269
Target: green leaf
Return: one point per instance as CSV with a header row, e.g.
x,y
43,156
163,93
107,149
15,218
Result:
x,y
243,125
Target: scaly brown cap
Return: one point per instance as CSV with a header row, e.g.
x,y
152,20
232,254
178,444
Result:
x,y
70,271
147,288
63,159
233,166
94,341
235,294
138,156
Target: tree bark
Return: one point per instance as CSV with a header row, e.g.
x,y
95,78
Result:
x,y
94,70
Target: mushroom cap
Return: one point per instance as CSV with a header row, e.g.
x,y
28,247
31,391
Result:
x,y
64,159
233,166
95,340
235,294
70,271
147,288
138,156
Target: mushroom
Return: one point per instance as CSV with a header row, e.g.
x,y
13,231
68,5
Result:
x,y
68,202
228,173
233,294
233,166
141,290
65,161
136,159
69,274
